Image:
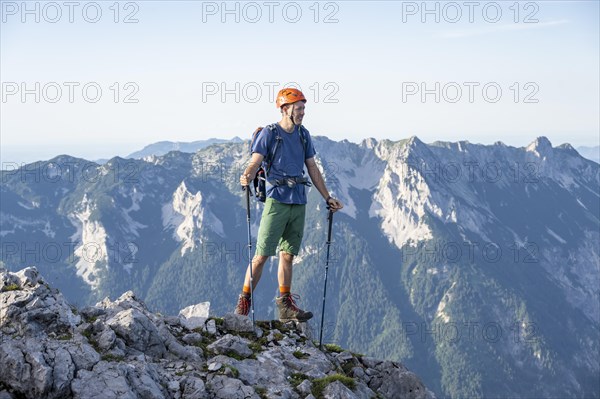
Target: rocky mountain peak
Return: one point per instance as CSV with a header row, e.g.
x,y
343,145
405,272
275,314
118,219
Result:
x,y
541,147
120,349
369,143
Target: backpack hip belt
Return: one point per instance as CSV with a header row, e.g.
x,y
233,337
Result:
x,y
291,182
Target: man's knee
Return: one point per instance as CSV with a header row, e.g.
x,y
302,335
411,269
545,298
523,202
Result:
x,y
288,257
260,260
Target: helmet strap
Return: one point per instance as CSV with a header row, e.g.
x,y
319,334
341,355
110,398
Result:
x,y
292,114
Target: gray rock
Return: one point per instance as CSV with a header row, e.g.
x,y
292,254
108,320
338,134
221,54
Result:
x,y
145,380
344,356
305,330
214,366
34,368
359,373
370,362
8,279
193,388
192,338
281,393
173,321
317,367
50,356
106,381
231,344
15,372
107,339
138,332
238,323
337,390
397,383
175,348
92,312
119,380
194,316
304,387
63,371
29,277
223,387
35,309
211,327
371,372
83,355
173,386
263,371
362,391
271,336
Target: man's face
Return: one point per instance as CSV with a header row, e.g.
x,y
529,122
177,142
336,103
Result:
x,y
297,111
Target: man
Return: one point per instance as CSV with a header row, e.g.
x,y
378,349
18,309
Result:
x,y
282,221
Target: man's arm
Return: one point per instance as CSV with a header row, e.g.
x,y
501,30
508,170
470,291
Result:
x,y
317,179
250,172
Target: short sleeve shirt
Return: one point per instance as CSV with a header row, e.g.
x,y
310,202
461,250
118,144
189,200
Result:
x,y
287,162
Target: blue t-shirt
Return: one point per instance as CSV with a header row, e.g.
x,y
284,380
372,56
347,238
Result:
x,y
288,161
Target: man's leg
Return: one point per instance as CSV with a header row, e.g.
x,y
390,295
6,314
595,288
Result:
x,y
286,305
244,300
272,225
258,262
284,272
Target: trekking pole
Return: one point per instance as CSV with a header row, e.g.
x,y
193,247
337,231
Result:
x,y
330,220
247,188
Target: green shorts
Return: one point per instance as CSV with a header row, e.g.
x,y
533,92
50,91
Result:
x,y
281,224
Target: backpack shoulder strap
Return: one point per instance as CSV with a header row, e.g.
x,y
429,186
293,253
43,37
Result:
x,y
271,154
254,136
302,130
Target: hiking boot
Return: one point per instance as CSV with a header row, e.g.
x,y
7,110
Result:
x,y
288,310
243,305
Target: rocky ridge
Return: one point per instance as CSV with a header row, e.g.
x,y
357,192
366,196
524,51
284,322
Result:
x,y
119,349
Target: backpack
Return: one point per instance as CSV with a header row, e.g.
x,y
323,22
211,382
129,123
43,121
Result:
x,y
260,181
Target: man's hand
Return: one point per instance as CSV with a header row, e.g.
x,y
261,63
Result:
x,y
334,204
250,173
246,179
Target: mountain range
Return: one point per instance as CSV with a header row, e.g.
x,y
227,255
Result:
x,y
476,266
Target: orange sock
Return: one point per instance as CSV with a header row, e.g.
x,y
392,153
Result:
x,y
284,289
246,290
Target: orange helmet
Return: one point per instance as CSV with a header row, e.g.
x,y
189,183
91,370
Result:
x,y
289,96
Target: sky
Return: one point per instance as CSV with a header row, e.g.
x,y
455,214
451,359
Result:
x,y
105,78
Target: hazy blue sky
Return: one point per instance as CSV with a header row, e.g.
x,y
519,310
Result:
x,y
362,65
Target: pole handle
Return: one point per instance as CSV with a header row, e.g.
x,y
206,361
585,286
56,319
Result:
x,y
247,190
330,222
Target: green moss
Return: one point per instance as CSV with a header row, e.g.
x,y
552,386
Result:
x,y
300,355
273,325
11,287
235,372
112,358
320,383
93,342
334,348
347,367
255,346
297,378
65,337
261,391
